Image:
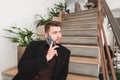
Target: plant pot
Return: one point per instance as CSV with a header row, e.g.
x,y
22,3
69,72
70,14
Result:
x,y
20,51
61,14
41,31
56,18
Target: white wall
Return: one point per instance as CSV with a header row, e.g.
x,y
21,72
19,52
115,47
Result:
x,y
113,3
109,33
116,12
21,13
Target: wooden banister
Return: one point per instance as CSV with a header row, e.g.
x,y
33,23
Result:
x,y
114,25
103,60
103,10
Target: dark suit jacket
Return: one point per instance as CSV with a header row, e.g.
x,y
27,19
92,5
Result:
x,y
34,59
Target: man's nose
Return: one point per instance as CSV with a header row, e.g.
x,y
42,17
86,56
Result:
x,y
59,35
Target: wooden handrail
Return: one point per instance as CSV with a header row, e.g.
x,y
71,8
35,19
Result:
x,y
102,6
103,60
114,24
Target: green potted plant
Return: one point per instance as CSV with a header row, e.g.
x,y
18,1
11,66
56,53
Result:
x,y
54,13
22,37
42,21
61,7
40,25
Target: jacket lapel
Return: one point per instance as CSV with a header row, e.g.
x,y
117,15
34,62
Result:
x,y
59,62
42,49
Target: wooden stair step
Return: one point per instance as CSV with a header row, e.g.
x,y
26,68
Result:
x,y
79,23
12,71
84,60
83,50
76,16
68,23
85,46
79,77
80,17
80,37
83,12
80,29
87,19
80,32
80,40
84,66
80,26
64,24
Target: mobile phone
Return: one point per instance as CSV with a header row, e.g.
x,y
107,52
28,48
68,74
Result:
x,y
49,40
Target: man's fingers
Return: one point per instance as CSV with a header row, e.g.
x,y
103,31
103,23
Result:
x,y
56,54
55,47
51,44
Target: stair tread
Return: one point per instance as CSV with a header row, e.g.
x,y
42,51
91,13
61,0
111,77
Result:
x,y
84,60
79,17
91,10
80,24
72,20
88,46
90,14
80,37
11,72
79,29
79,77
85,12
89,23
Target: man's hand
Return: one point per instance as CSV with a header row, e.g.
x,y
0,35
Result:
x,y
51,52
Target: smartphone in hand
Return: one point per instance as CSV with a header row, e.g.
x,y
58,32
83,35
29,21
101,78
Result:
x,y
49,40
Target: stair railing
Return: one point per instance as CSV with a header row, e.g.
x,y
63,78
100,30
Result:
x,y
103,10
103,58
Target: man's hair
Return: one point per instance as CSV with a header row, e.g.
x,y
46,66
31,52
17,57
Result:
x,y
52,23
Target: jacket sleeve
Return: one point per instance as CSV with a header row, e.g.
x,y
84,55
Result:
x,y
65,68
29,64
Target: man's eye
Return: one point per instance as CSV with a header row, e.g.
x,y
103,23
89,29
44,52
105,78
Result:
x,y
54,32
60,32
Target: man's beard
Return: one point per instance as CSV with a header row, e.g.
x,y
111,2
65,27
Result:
x,y
58,40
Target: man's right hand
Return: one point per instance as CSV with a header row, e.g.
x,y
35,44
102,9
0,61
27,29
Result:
x,y
51,52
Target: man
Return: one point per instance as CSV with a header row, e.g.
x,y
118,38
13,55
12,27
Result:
x,y
41,61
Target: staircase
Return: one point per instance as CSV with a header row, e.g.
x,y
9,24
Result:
x,y
80,35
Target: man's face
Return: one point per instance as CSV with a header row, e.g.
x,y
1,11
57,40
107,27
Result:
x,y
55,33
